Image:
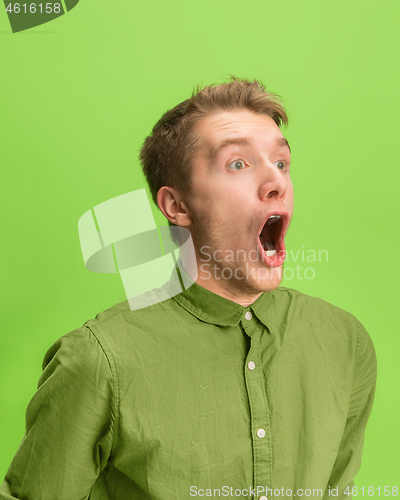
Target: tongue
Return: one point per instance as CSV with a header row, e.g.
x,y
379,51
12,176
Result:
x,y
268,245
269,248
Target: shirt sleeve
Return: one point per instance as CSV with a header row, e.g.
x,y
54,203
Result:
x,y
69,424
348,460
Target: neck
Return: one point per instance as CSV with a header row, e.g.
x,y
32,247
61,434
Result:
x,y
233,290
229,292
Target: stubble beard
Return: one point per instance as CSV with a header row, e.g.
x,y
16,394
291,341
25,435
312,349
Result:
x,y
240,275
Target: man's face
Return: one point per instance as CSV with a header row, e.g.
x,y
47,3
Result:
x,y
240,178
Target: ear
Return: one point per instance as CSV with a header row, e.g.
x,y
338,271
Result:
x,y
172,205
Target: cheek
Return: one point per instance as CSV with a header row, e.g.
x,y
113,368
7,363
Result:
x,y
289,201
218,199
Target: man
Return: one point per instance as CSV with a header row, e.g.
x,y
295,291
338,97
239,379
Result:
x,y
234,387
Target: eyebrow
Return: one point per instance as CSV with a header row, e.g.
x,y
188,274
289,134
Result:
x,y
242,141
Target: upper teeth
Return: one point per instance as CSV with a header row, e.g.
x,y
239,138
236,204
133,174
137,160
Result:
x,y
273,218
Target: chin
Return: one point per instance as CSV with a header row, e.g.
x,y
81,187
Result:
x,y
263,279
269,285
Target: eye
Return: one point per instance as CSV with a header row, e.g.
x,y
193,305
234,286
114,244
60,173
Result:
x,y
237,165
282,164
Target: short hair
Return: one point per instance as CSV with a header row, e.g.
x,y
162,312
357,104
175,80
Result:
x,y
167,154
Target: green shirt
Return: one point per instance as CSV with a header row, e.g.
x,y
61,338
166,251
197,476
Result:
x,y
200,396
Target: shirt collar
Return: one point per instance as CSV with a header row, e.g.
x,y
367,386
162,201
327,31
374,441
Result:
x,y
212,308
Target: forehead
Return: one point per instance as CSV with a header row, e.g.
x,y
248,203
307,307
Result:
x,y
219,126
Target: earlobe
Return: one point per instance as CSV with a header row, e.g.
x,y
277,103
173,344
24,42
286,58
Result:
x,y
174,208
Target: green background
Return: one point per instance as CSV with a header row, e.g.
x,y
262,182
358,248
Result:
x,y
78,96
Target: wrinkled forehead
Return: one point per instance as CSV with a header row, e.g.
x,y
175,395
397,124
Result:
x,y
246,128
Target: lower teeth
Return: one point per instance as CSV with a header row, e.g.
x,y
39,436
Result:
x,y
270,253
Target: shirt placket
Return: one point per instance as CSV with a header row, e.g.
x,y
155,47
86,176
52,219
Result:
x,y
259,411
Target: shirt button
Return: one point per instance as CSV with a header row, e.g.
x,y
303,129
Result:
x,y
251,365
248,315
261,433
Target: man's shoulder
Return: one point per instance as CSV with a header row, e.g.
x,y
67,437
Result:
x,y
318,314
289,297
109,314
314,321
143,309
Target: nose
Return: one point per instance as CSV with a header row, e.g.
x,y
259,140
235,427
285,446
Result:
x,y
274,183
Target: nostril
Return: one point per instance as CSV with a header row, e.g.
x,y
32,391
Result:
x,y
271,194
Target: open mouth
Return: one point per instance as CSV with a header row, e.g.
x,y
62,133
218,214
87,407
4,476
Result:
x,y
272,239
